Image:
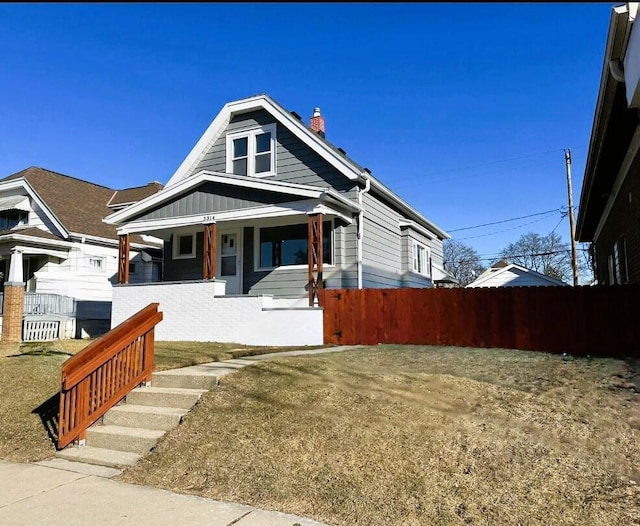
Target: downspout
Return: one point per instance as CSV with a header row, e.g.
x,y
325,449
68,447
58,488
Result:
x,y
360,234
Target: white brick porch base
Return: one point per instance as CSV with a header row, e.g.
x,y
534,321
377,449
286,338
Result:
x,y
193,312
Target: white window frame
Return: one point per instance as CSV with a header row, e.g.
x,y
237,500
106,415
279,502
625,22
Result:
x,y
176,246
251,153
256,248
420,265
100,267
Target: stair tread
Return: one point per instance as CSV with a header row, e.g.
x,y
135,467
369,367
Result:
x,y
149,409
98,455
168,390
129,431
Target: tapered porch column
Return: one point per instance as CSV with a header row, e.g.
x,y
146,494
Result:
x,y
123,259
209,251
315,257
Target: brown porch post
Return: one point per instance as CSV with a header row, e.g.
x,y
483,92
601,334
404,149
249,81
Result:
x,y
314,257
123,258
209,251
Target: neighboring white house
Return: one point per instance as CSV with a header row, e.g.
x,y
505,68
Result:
x,y
505,274
53,239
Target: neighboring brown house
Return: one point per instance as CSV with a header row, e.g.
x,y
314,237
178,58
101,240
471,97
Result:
x,y
609,213
53,239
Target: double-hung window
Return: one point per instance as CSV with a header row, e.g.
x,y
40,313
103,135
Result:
x,y
421,259
252,152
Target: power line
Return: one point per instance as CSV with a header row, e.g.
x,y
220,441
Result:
x,y
505,220
501,231
479,165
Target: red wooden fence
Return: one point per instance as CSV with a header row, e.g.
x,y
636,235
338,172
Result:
x,y
104,372
576,320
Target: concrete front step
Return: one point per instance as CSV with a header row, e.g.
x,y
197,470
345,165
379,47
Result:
x,y
131,439
165,396
204,376
99,456
144,416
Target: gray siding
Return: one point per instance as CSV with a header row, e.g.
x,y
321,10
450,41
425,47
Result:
x,y
183,269
295,161
381,246
292,283
214,197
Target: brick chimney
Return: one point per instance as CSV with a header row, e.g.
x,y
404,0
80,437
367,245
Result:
x,y
316,123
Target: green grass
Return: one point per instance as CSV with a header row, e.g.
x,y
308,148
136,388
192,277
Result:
x,y
416,435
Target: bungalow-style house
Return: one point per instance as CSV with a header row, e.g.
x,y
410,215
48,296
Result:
x,y
268,206
609,213
505,274
53,239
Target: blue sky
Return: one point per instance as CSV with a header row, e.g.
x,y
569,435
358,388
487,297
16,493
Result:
x,y
462,109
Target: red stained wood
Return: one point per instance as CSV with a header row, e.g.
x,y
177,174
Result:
x,y
100,375
123,258
577,320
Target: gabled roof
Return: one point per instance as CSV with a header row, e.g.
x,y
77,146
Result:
x,y
122,198
330,153
75,205
171,192
501,268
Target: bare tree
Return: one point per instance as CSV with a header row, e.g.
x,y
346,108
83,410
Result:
x,y
545,254
461,261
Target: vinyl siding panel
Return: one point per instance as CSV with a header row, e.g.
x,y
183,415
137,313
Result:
x,y
215,197
381,246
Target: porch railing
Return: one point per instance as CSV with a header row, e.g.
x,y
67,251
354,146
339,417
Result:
x,y
40,303
103,373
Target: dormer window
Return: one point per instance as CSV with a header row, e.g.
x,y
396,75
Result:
x,y
13,218
252,152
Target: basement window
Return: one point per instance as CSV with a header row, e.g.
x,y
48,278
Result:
x,y
252,152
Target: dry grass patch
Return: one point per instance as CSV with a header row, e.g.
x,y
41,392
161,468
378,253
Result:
x,y
30,382
416,435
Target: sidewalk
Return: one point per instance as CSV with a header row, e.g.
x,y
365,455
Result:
x,y
32,494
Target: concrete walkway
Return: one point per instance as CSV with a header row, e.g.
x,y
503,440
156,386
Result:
x,y
33,494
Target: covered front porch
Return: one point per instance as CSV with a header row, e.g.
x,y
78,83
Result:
x,y
287,243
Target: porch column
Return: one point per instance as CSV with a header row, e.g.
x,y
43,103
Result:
x,y
314,255
209,251
13,307
123,258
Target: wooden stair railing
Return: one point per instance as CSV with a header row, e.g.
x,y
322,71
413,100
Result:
x,y
104,372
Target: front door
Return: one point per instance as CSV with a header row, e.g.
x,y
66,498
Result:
x,y
229,263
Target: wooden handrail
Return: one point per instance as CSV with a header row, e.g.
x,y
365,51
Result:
x,y
104,372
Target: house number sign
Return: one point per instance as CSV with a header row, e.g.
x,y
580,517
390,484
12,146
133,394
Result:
x,y
209,219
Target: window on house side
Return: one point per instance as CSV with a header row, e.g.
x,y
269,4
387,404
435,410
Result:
x,y
421,257
252,152
96,263
619,273
287,245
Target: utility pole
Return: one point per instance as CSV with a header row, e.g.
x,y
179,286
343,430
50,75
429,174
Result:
x,y
574,257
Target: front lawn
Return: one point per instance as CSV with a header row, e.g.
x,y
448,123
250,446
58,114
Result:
x,y
30,381
416,435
